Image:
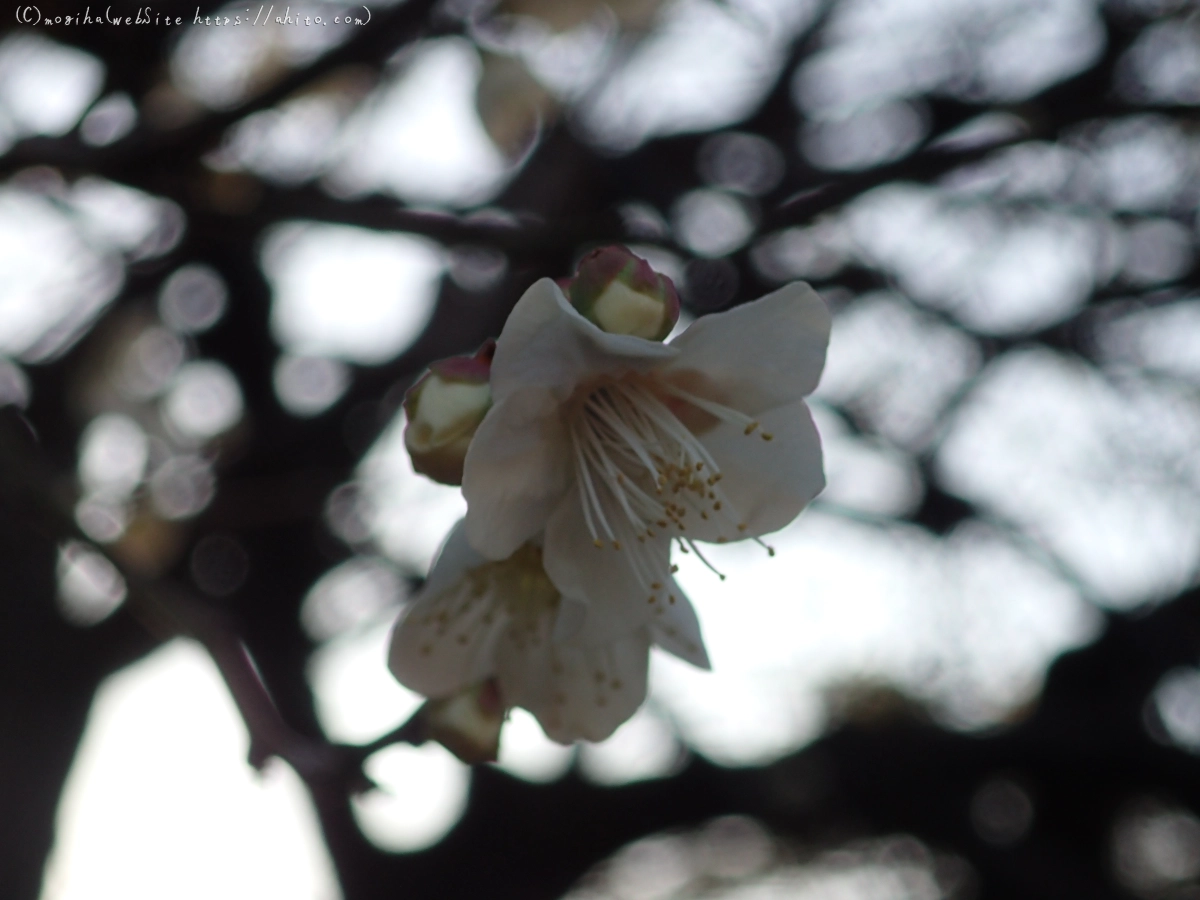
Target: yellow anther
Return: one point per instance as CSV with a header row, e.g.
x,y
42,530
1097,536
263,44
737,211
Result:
x,y
655,585
750,428
616,545
742,526
670,598
674,569
717,505
768,437
599,544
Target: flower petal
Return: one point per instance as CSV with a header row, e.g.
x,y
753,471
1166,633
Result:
x,y
546,343
759,355
455,558
572,614
446,641
677,630
579,692
764,484
515,472
613,584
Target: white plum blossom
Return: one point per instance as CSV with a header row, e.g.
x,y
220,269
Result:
x,y
591,446
478,620
614,445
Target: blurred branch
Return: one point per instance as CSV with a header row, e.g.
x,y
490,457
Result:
x,y
924,166
510,232
165,609
171,609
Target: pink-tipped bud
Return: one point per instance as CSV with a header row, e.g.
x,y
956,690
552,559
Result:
x,y
621,294
467,724
444,408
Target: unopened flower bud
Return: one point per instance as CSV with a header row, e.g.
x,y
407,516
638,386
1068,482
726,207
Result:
x,y
621,294
444,408
467,724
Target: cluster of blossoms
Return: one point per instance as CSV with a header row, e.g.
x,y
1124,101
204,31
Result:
x,y
586,447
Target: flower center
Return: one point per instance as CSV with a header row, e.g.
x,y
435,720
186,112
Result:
x,y
520,583
639,468
516,588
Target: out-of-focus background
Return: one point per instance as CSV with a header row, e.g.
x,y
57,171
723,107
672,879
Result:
x,y
228,246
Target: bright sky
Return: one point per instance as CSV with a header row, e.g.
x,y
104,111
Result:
x,y
162,803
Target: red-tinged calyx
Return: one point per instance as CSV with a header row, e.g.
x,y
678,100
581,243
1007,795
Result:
x,y
468,724
621,294
444,408
475,369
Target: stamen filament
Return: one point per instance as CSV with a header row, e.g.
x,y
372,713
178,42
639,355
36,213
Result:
x,y
629,444
702,559
722,412
587,491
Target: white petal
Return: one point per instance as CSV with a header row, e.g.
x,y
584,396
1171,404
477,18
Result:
x,y
677,630
757,356
579,693
546,343
602,578
455,557
572,614
765,484
515,473
523,664
439,648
